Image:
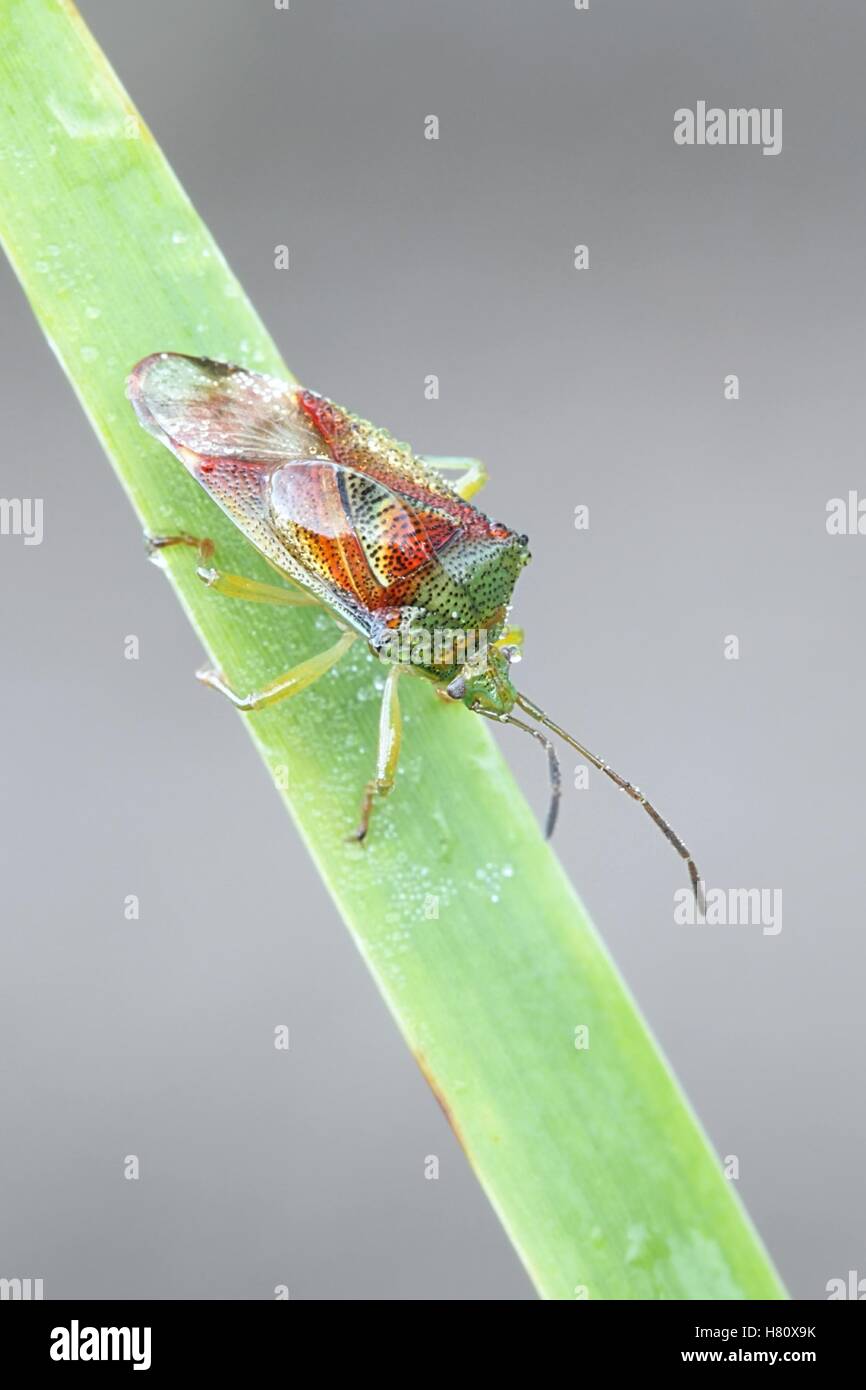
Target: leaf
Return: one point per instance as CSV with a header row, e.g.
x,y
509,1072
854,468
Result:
x,y
591,1157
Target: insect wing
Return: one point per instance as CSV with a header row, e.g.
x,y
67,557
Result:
x,y
332,502
218,411
232,429
245,439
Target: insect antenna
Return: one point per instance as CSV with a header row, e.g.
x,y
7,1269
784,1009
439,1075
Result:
x,y
554,771
634,792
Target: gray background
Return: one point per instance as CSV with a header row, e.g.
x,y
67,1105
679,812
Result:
x,y
707,518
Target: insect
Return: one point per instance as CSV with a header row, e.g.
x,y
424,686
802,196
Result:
x,y
353,520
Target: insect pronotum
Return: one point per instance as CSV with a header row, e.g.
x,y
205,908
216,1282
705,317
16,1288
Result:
x,y
354,521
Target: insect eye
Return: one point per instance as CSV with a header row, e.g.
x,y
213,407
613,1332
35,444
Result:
x,y
457,689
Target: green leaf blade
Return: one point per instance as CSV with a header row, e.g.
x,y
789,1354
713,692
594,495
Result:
x,y
593,1160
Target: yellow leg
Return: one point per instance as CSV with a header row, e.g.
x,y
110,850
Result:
x,y
474,473
388,755
253,590
231,585
292,683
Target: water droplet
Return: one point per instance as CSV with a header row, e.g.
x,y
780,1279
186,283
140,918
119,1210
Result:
x,y
92,312
507,870
89,354
178,238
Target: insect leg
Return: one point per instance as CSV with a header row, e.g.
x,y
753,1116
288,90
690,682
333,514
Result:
x,y
292,683
474,473
388,755
253,590
204,547
231,585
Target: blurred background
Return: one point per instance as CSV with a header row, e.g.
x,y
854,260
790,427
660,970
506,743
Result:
x,y
601,388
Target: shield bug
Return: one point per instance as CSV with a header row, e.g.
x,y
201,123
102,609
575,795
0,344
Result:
x,y
353,520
